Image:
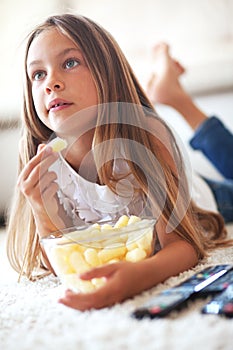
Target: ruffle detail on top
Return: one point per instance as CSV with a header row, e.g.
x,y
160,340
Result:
x,y
92,202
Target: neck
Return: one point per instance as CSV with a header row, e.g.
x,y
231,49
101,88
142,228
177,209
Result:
x,y
79,156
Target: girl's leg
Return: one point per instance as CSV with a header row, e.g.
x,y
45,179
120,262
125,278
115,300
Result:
x,y
223,193
216,142
210,135
164,86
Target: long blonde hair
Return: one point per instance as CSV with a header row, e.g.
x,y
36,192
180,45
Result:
x,y
116,83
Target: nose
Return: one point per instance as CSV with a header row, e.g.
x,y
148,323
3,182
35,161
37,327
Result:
x,y
54,84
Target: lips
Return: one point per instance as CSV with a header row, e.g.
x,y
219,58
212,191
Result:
x,y
58,104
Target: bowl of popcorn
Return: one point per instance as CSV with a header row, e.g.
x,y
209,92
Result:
x,y
74,250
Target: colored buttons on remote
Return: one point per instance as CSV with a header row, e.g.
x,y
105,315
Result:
x,y
220,285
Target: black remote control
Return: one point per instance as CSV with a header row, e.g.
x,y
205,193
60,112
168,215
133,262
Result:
x,y
219,285
176,298
221,304
205,278
163,303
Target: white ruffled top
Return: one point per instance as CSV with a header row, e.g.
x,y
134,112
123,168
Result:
x,y
92,202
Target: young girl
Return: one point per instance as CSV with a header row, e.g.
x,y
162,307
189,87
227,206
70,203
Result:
x,y
121,158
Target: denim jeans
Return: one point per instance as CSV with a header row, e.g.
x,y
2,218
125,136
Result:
x,y
223,193
216,143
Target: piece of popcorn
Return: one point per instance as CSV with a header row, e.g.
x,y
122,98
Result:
x,y
91,257
122,221
84,286
144,242
73,282
72,245
109,254
80,237
106,227
130,245
60,259
58,144
78,262
136,254
113,261
114,242
96,226
98,282
94,233
133,219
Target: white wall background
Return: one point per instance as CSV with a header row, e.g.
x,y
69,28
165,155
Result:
x,y
200,33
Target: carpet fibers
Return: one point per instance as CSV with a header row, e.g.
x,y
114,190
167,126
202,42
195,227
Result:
x,y
31,318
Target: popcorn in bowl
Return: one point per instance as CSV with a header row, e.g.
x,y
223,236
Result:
x,y
77,249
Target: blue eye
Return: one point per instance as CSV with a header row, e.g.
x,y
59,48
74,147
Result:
x,y
38,75
71,63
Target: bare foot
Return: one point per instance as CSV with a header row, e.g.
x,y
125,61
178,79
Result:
x,y
163,86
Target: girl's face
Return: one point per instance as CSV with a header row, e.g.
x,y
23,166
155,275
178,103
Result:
x,y
62,84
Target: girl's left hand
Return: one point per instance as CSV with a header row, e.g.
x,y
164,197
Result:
x,y
123,280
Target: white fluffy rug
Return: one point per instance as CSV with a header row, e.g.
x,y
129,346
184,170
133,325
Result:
x,y
31,318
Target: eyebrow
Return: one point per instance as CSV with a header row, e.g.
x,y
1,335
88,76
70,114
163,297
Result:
x,y
60,54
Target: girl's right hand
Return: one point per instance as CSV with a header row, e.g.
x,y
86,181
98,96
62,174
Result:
x,y
38,185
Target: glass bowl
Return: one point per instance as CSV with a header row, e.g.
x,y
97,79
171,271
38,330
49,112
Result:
x,y
74,250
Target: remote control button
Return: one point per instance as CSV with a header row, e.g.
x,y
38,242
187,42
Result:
x,y
228,308
155,310
206,274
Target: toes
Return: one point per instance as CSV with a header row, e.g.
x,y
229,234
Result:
x,y
160,48
179,67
